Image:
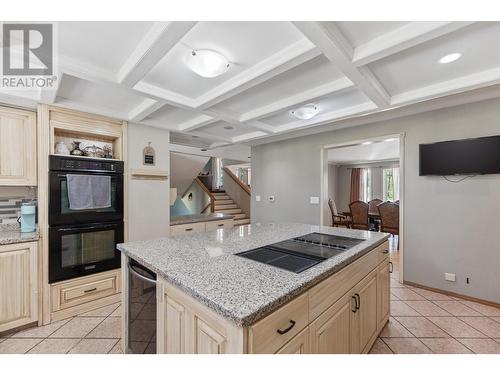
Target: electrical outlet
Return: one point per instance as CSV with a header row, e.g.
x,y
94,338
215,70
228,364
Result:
x,y
271,198
257,198
314,200
450,277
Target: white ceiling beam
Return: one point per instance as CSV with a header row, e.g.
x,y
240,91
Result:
x,y
293,100
323,35
196,123
144,109
49,95
286,59
454,86
170,97
232,119
402,38
162,37
248,136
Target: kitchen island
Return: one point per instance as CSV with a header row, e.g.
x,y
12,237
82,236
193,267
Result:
x,y
210,300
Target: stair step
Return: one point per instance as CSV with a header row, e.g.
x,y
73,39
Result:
x,y
221,197
230,211
218,194
240,216
242,221
225,206
223,202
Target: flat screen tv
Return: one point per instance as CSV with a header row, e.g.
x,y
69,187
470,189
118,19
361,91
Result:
x,y
461,157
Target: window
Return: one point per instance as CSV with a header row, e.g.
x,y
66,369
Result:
x,y
365,190
391,184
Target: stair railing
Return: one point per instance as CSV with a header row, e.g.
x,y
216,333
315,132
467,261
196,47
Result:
x,y
208,192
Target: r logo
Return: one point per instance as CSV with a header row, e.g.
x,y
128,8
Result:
x,y
27,49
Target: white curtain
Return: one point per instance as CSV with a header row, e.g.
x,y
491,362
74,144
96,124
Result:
x,y
395,174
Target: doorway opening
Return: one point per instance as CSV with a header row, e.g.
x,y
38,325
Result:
x,y
367,173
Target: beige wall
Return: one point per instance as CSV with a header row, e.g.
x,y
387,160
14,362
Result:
x,y
148,200
449,227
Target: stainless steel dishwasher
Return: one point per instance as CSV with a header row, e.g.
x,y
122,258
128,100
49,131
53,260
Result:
x,y
141,322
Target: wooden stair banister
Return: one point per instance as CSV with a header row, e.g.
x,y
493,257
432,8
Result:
x,y
208,192
245,188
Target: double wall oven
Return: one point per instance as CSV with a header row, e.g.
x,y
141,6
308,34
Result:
x,y
83,241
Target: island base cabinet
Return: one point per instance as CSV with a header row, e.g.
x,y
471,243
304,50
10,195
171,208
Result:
x,y
298,345
18,285
331,331
383,293
186,327
348,325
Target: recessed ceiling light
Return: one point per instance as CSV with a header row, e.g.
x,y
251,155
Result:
x,y
450,58
207,63
228,127
306,112
367,143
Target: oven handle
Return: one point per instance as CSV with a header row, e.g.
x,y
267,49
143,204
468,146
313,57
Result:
x,y
85,228
131,269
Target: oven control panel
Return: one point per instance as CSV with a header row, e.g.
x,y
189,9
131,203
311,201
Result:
x,y
64,163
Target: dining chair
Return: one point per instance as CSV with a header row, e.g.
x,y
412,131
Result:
x,y
359,215
337,219
389,218
374,222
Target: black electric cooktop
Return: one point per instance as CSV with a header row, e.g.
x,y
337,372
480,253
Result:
x,y
300,253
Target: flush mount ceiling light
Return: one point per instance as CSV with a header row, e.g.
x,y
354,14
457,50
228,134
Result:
x,y
207,63
450,58
305,112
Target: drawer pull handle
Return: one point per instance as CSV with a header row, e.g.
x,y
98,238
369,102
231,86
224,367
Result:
x,y
391,267
292,324
355,304
189,229
385,252
220,225
358,301
90,290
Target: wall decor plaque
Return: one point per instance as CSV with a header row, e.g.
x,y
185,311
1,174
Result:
x,y
148,155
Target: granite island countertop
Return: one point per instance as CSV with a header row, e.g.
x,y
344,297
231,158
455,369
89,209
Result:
x,y
199,218
204,266
11,233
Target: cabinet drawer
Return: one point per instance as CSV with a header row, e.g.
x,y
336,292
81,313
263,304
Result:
x,y
326,293
383,251
187,228
83,290
272,332
220,224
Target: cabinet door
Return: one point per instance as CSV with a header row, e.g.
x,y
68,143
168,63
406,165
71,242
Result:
x,y
18,285
330,333
207,339
17,147
383,293
364,321
298,345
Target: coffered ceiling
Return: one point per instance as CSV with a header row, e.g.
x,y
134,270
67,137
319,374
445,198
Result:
x,y
137,71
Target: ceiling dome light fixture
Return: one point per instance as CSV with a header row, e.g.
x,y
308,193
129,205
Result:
x,y
207,63
306,112
450,58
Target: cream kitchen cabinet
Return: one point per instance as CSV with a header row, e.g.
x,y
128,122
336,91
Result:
x,y
18,285
342,314
17,147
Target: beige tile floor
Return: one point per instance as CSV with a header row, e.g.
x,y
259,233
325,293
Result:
x,y
421,322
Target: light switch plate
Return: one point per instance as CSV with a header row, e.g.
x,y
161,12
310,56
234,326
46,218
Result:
x,y
450,277
257,198
314,200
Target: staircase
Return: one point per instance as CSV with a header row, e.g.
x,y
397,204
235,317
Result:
x,y
224,204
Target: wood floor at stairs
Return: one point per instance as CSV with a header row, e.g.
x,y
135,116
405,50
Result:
x,y
224,203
